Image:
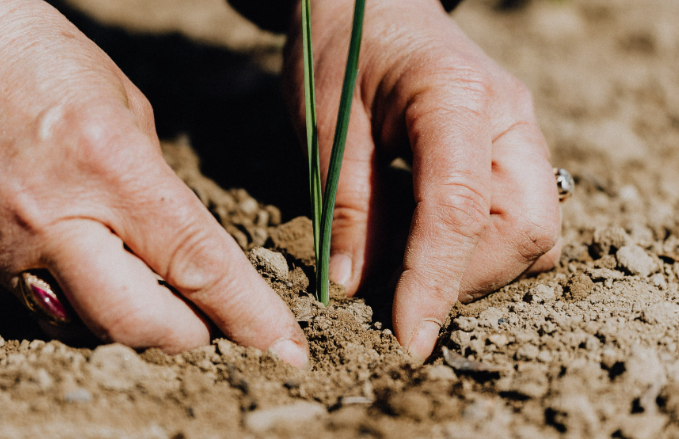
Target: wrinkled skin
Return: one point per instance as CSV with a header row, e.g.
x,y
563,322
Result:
x,y
486,202
86,194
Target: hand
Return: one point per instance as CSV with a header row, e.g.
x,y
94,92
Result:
x,y
83,177
486,205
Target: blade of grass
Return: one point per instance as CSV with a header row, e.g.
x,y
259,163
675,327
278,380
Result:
x,y
311,128
339,142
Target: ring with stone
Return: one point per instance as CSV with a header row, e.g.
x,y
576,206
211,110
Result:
x,y
44,298
564,183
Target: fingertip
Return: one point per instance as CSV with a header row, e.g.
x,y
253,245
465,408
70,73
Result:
x,y
547,261
348,249
341,267
292,352
424,339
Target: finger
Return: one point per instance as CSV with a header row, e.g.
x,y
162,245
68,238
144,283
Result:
x,y
451,141
525,216
357,208
164,223
115,293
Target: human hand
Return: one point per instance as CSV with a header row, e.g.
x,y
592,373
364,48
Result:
x,y
486,201
85,193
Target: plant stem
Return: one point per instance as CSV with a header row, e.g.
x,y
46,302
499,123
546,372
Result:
x,y
350,74
311,128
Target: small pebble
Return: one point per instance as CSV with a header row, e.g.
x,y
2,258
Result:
x,y
441,373
499,340
527,352
78,395
490,317
548,328
249,207
43,379
661,313
466,324
545,356
353,400
635,260
36,344
270,262
117,367
525,336
580,287
608,239
460,339
659,281
540,294
262,218
303,411
609,356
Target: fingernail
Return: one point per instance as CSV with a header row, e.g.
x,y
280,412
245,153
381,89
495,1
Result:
x,y
291,353
423,342
340,268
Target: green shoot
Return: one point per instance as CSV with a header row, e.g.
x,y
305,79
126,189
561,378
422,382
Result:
x,y
339,142
324,226
311,127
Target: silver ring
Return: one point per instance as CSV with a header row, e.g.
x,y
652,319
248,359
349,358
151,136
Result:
x,y
44,298
564,183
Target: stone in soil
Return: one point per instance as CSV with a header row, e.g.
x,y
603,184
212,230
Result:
x,y
635,260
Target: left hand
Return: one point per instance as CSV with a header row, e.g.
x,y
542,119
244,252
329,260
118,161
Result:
x,y
486,201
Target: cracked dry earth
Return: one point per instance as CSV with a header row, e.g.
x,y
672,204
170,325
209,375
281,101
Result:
x,y
588,350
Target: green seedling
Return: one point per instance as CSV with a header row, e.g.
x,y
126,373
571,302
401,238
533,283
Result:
x,y
323,204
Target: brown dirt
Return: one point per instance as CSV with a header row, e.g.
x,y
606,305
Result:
x,y
588,350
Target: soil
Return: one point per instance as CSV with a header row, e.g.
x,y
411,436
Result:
x,y
587,350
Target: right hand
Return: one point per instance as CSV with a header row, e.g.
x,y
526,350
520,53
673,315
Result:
x,y
486,208
83,177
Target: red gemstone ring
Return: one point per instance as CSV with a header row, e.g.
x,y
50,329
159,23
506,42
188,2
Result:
x,y
42,297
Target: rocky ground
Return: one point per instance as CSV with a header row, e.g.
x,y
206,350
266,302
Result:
x,y
588,350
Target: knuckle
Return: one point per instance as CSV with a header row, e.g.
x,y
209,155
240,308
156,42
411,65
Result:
x,y
520,89
348,217
106,142
467,86
21,209
457,97
197,262
522,95
96,143
463,210
141,106
475,84
467,76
